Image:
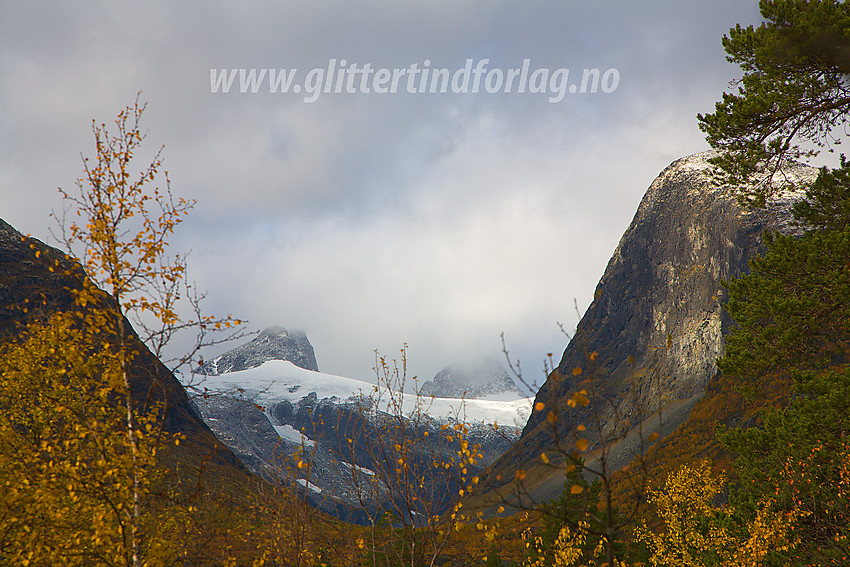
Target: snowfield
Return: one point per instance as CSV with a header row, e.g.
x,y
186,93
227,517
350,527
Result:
x,y
264,414
289,433
278,380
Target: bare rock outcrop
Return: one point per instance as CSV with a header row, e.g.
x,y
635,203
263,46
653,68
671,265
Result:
x,y
657,321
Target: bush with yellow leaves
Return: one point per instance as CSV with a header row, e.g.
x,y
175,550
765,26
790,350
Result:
x,y
698,533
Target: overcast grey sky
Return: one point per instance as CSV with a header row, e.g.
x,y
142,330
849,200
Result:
x,y
369,220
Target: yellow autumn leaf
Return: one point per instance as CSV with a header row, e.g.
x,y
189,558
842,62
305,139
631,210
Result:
x,y
581,398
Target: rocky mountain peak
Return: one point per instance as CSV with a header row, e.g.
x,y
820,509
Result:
x,y
273,343
660,300
657,322
276,330
471,381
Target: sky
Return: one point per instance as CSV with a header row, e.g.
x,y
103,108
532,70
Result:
x,y
375,219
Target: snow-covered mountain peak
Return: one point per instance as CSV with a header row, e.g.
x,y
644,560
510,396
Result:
x,y
276,381
266,408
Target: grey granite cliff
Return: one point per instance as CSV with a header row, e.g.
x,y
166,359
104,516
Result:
x,y
657,321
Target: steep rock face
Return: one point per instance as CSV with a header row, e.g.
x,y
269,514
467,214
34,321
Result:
x,y
478,381
274,343
32,286
659,301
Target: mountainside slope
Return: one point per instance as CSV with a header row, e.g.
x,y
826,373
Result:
x,y
33,285
657,321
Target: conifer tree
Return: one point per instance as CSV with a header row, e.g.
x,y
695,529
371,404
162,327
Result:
x,y
794,89
792,311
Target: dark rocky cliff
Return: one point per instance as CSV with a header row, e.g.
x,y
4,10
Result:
x,y
274,343
659,301
35,285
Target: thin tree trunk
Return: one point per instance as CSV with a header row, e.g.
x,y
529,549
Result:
x,y
136,512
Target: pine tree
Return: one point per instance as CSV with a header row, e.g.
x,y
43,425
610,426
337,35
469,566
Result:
x,y
792,311
793,89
